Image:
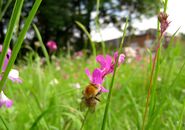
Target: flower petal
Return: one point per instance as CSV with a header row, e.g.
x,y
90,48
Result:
x,y
100,59
14,76
121,58
97,76
4,100
108,61
88,74
104,90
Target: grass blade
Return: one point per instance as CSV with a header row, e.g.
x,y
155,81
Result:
x,y
20,41
89,36
42,44
15,15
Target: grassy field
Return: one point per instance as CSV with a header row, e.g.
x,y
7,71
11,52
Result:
x,y
50,96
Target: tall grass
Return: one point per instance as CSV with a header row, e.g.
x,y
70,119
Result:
x,y
41,103
15,15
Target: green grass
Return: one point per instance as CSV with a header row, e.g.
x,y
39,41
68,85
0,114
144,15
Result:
x,y
40,105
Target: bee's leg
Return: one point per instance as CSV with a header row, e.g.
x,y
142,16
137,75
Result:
x,y
97,99
98,93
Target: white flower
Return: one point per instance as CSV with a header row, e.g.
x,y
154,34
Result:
x,y
54,82
14,76
4,100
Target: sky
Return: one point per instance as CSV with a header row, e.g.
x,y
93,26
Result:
x,y
175,10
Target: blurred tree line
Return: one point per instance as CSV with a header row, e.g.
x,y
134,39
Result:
x,y
56,18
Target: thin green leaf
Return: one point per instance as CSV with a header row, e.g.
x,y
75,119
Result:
x,y
42,44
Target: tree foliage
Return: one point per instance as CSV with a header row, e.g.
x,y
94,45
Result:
x,y
56,18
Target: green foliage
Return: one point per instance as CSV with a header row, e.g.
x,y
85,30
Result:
x,y
41,103
56,19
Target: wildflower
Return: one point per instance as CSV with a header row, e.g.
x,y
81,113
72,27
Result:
x,y
107,64
14,76
52,46
4,100
162,17
78,54
8,55
130,53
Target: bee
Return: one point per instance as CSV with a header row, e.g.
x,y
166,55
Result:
x,y
90,96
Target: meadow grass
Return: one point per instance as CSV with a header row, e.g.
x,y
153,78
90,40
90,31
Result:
x,y
41,104
49,97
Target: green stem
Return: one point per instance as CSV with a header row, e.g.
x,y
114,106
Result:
x,y
42,44
98,26
89,36
85,118
181,117
151,81
112,81
165,5
5,8
4,123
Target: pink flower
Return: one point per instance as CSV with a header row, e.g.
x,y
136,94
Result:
x,y
13,74
121,58
107,63
8,55
96,78
4,100
52,46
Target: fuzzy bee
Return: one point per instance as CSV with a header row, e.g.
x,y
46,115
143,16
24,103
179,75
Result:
x,y
90,97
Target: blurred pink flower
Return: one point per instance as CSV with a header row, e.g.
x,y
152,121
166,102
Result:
x,y
52,45
13,74
96,78
78,54
8,55
4,100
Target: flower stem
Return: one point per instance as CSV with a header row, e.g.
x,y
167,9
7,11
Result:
x,y
151,81
85,118
112,81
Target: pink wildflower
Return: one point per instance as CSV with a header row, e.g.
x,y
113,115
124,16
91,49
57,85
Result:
x,y
4,100
8,55
13,74
107,63
52,46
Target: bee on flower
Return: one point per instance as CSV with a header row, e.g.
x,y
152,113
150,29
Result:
x,y
92,91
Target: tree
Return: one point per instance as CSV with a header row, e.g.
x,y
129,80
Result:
x,y
56,18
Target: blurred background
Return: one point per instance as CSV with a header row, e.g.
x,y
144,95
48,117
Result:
x,y
56,21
